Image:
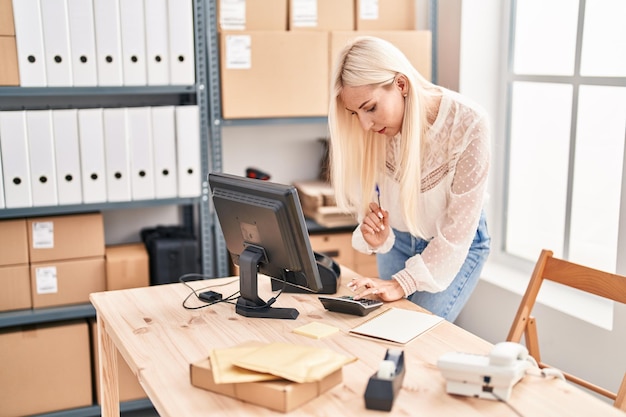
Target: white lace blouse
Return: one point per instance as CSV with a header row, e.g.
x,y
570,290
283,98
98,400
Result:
x,y
454,179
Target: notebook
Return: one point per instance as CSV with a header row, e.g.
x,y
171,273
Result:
x,y
397,325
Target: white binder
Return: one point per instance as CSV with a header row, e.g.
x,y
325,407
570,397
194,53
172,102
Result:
x,y
117,156
164,145
16,166
188,151
82,42
56,42
67,156
141,159
29,41
157,49
133,36
43,177
108,42
181,41
92,164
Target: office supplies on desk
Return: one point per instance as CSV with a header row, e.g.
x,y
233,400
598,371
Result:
x,y
485,376
397,325
316,330
348,305
383,387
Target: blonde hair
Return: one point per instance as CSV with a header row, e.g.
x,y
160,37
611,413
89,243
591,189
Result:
x,y
357,157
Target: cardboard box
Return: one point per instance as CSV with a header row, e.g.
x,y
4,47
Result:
x,y
328,15
415,44
279,395
9,70
129,387
15,285
45,368
65,237
274,74
7,27
127,266
385,15
13,242
255,15
66,282
317,199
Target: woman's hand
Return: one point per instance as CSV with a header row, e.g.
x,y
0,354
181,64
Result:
x,y
375,226
385,289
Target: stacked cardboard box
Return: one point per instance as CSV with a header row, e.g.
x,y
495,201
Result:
x,y
280,395
45,368
66,258
317,199
277,61
14,272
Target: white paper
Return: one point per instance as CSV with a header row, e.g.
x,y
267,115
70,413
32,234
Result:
x,y
46,280
304,13
397,325
233,14
368,9
238,52
43,235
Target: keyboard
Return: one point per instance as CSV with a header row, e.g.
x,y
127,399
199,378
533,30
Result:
x,y
348,305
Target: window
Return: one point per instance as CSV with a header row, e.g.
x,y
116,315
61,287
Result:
x,y
566,129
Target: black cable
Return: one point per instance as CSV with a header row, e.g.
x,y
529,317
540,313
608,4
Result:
x,y
183,279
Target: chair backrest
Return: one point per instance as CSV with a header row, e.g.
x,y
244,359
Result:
x,y
603,284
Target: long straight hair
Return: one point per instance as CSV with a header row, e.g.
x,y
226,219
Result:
x,y
357,157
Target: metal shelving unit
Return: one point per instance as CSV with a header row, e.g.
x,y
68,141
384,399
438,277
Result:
x,y
35,98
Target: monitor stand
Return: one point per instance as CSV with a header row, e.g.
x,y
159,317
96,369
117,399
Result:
x,y
249,304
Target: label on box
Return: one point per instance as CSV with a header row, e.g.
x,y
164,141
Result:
x,y
43,235
368,9
46,280
238,52
233,14
304,13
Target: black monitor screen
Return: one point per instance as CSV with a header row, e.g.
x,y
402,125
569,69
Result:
x,y
265,232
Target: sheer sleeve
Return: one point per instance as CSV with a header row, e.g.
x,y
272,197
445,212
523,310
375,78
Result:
x,y
455,228
359,243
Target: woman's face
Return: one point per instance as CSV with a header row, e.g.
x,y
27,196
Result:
x,y
379,108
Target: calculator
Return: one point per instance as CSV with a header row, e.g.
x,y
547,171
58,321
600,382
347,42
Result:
x,y
348,305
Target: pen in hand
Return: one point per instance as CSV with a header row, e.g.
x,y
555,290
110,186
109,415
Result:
x,y
378,195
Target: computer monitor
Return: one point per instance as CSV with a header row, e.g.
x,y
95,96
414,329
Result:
x,y
265,232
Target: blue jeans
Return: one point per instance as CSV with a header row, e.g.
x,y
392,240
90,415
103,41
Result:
x,y
447,303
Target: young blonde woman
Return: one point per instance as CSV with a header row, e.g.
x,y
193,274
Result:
x,y
412,159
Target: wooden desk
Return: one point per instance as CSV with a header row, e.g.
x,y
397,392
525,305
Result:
x,y
159,339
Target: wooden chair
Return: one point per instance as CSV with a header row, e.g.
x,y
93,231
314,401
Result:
x,y
603,284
